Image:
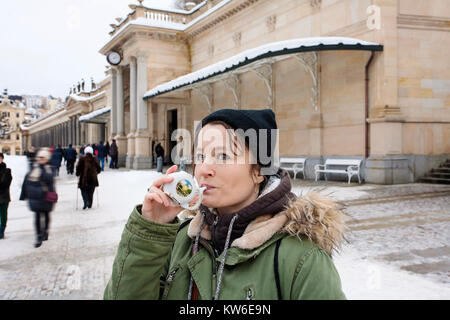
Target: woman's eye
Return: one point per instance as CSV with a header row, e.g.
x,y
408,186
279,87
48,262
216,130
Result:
x,y
223,156
200,157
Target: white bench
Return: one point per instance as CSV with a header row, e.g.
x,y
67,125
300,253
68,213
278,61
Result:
x,y
351,167
294,164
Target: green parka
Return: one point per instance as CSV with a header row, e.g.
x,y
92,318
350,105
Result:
x,y
155,261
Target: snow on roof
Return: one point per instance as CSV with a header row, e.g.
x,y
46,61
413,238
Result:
x,y
142,21
248,56
94,114
78,98
171,7
42,119
30,111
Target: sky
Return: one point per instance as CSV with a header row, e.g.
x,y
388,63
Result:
x,y
47,46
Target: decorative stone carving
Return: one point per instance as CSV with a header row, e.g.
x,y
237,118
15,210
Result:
x,y
211,50
237,37
271,22
316,4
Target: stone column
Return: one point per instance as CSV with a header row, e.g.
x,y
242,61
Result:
x,y
133,114
142,158
120,116
114,103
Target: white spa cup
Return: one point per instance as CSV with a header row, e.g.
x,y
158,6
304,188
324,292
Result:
x,y
183,189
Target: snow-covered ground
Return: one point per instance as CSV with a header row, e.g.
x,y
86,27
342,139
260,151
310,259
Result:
x,y
84,243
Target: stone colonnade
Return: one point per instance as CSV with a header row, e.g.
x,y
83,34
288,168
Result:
x,y
134,148
68,132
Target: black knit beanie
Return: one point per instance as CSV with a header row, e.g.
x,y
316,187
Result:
x,y
250,119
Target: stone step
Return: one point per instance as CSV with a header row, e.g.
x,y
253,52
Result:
x,y
439,174
441,170
435,180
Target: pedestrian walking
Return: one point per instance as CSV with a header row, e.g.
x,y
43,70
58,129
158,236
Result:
x,y
5,183
101,153
71,156
82,150
107,147
56,160
39,189
159,157
251,238
114,153
88,168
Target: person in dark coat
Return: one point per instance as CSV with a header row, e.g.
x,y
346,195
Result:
x,y
159,150
87,169
37,182
71,156
114,153
82,150
107,147
56,159
101,154
5,183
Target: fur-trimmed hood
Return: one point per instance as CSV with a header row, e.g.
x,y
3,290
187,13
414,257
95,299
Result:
x,y
312,215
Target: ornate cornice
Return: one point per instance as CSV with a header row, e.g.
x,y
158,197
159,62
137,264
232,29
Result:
x,y
218,19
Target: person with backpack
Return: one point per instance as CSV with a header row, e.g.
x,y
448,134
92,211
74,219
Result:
x,y
87,169
5,198
251,237
39,189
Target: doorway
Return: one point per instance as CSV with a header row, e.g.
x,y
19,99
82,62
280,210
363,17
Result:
x,y
172,125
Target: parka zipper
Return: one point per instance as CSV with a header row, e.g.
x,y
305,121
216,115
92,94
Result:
x,y
169,280
249,294
213,255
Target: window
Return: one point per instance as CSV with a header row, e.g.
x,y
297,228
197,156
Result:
x,y
17,137
17,115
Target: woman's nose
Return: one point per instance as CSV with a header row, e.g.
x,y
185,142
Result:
x,y
205,169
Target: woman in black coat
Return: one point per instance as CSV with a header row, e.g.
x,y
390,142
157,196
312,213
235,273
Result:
x,y
88,168
37,182
5,182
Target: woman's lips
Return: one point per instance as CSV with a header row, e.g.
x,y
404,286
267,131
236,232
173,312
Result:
x,y
208,187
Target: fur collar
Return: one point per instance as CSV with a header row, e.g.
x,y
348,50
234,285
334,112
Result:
x,y
312,215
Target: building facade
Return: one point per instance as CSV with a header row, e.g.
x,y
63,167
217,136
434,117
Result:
x,y
363,79
12,116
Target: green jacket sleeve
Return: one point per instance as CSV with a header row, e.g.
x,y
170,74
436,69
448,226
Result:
x,y
317,278
141,259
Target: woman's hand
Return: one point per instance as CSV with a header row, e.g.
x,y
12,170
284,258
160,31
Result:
x,y
157,207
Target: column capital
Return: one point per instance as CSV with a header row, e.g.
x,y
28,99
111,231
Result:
x,y
133,61
117,69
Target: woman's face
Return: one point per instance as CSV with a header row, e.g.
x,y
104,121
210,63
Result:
x,y
42,160
225,171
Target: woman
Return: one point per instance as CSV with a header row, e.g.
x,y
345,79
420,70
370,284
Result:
x,y
37,183
87,169
5,183
251,238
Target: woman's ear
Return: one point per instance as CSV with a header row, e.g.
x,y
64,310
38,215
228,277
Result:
x,y
257,176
